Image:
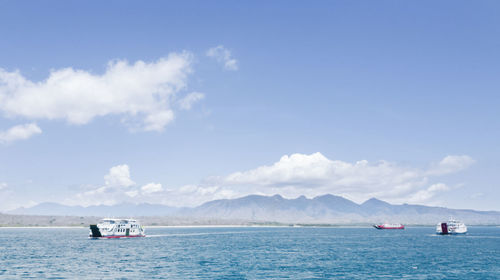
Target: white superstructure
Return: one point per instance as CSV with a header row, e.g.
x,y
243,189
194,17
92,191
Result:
x,y
115,228
451,227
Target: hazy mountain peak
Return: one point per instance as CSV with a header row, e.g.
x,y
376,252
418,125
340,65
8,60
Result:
x,y
374,201
329,196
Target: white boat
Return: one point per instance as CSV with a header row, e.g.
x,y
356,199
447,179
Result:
x,y
389,226
451,227
116,228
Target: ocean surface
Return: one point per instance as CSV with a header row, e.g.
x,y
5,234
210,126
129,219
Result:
x,y
251,253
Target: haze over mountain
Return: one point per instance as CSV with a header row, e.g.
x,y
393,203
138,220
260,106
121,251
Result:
x,y
321,209
122,209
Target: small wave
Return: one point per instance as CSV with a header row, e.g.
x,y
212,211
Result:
x,y
465,236
483,236
201,233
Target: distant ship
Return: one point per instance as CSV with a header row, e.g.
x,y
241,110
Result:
x,y
389,226
116,228
451,227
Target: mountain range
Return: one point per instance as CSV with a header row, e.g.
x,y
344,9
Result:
x,y
325,209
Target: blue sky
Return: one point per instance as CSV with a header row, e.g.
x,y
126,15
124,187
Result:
x,y
392,99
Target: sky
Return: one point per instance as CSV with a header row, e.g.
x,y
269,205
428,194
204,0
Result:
x,y
179,103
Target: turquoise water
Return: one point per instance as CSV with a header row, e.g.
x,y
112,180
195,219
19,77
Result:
x,y
252,253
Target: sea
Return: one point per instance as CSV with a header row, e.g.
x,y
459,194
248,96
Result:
x,y
251,253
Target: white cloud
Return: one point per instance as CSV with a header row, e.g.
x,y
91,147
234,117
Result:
x,y
119,176
190,99
223,55
140,91
291,176
426,194
157,121
133,193
19,132
451,164
314,174
3,185
151,188
118,187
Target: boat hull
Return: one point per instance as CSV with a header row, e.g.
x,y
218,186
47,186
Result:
x,y
388,227
116,236
451,233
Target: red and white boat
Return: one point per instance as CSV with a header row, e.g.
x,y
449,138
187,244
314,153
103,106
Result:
x,y
389,226
116,228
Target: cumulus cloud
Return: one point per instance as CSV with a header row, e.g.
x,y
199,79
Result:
x,y
426,194
291,176
141,91
19,132
188,101
451,164
132,193
151,188
223,56
314,174
119,176
157,121
118,187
